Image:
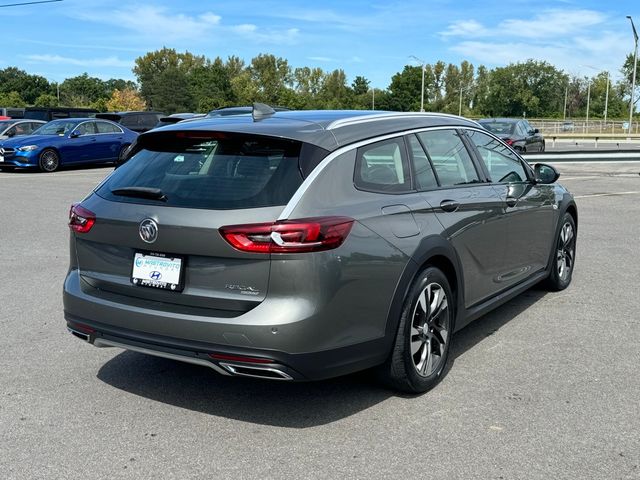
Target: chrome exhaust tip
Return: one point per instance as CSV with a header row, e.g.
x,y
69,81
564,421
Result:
x,y
79,334
269,373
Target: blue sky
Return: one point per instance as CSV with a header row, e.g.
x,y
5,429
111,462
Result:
x,y
374,38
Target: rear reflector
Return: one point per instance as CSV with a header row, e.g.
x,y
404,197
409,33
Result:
x,y
238,358
80,219
289,236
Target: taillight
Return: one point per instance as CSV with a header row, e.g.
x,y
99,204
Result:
x,y
80,219
289,236
508,141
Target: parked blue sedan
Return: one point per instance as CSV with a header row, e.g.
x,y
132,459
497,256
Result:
x,y
68,141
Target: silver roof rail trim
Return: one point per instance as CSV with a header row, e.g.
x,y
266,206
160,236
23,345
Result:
x,y
384,116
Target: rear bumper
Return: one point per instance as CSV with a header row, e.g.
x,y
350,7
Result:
x,y
288,334
227,360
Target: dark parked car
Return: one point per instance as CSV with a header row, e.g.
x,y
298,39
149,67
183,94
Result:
x,y
177,117
12,112
136,121
516,133
71,141
311,244
47,114
15,128
240,110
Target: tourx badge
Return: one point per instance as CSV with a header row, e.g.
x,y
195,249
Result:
x,y
148,230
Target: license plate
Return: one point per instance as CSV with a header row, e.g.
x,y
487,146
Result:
x,y
157,270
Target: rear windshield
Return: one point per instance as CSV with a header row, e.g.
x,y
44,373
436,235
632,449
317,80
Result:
x,y
499,127
225,173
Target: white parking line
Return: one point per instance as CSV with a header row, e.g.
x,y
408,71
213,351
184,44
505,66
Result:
x,y
606,194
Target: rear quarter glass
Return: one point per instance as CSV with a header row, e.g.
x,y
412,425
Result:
x,y
227,172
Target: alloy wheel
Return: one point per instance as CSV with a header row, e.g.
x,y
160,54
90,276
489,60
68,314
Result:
x,y
566,251
430,328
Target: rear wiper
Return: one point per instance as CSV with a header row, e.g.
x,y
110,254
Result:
x,y
141,192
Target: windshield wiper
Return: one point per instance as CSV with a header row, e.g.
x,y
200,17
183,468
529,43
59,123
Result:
x,y
141,192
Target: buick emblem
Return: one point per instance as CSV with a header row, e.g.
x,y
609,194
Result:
x,y
148,230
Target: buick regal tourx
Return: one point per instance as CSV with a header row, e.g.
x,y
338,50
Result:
x,y
302,245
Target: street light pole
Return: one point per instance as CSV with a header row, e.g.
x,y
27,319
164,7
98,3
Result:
x,y
422,62
566,91
635,64
588,99
606,101
460,103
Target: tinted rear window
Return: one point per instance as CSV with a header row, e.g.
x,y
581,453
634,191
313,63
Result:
x,y
232,172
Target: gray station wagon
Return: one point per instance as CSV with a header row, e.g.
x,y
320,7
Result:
x,y
302,245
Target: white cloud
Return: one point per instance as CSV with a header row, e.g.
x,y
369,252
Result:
x,y
153,23
94,62
568,39
322,59
465,28
547,24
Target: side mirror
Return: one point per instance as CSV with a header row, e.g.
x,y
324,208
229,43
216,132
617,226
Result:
x,y
75,134
545,174
536,130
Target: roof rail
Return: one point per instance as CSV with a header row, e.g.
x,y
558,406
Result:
x,y
382,116
260,111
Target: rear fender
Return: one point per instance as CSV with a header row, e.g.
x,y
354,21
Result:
x,y
429,248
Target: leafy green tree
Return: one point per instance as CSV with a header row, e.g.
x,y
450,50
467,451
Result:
x,y
81,91
404,90
28,86
533,88
360,85
46,100
12,99
627,79
270,77
210,85
335,93
165,79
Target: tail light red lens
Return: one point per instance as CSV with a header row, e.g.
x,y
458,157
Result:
x,y
289,236
508,141
80,219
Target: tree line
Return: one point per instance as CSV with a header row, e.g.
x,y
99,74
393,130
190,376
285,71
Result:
x,y
171,81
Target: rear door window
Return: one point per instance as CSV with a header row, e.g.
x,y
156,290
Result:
x,y
450,157
383,167
235,171
105,127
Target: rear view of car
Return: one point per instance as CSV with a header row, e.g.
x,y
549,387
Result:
x,y
305,245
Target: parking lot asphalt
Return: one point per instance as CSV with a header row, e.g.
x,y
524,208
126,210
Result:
x,y
545,387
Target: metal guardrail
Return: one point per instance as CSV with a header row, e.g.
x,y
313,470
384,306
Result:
x,y
590,156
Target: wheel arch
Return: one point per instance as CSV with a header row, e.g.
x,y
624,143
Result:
x,y
433,251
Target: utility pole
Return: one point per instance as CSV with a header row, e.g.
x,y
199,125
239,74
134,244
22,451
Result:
x,y
566,92
635,64
422,62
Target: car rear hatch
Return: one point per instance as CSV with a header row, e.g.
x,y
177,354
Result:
x,y
155,240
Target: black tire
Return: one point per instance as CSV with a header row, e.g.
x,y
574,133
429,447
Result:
x,y
121,153
411,372
564,255
49,160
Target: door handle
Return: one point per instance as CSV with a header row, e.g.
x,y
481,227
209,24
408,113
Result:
x,y
511,201
449,205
